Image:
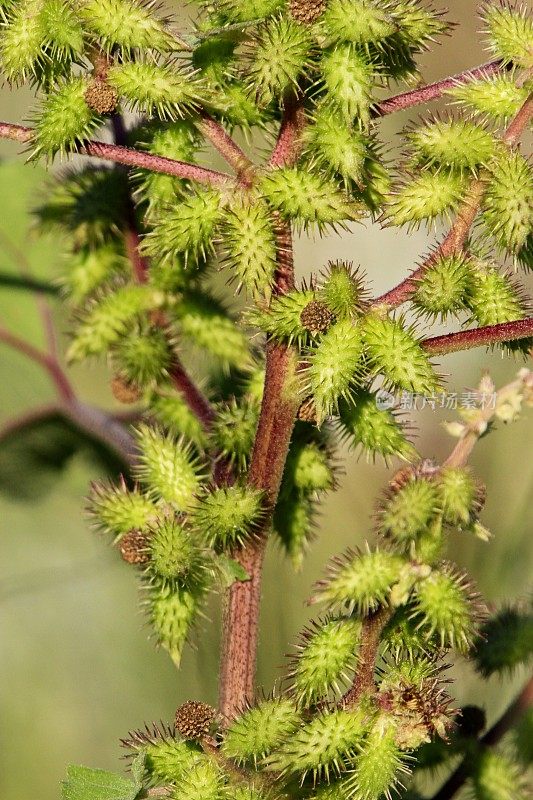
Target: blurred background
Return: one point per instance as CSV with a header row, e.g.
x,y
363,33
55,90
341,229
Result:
x,y
77,669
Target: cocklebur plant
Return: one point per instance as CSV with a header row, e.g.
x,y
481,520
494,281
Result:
x,y
216,470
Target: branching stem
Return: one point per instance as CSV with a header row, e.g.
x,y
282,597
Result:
x,y
466,215
433,91
370,638
478,337
130,157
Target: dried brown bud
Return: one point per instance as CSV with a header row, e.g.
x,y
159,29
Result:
x,y
101,97
133,548
194,720
124,391
307,11
307,411
316,317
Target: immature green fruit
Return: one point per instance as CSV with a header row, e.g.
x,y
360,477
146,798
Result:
x,y
153,89
293,521
362,421
408,510
505,641
357,21
227,516
508,201
280,55
510,32
91,205
309,468
347,76
107,319
205,322
126,24
444,287
404,639
247,10
461,496
64,120
447,607
260,729
426,196
335,146
249,246
168,757
452,143
334,366
327,654
360,581
418,26
22,40
497,777
144,355
90,267
283,319
323,746
342,289
117,509
168,467
394,352
173,413
306,198
495,298
178,140
233,431
235,106
203,781
187,228
172,609
173,553
378,765
496,96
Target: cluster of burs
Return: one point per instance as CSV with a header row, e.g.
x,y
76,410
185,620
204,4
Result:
x,y
241,65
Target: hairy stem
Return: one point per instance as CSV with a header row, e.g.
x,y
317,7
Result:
x,y
130,157
276,421
478,337
370,638
466,215
459,776
195,399
288,145
227,148
432,91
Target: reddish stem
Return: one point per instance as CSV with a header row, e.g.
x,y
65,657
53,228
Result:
x,y
227,148
288,144
130,157
490,334
276,421
197,402
432,91
466,215
45,360
366,661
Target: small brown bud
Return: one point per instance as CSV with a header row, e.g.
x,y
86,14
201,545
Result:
x,y
194,720
307,11
316,317
101,97
124,391
307,411
133,548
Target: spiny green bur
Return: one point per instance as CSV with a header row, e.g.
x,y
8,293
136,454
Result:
x,y
240,402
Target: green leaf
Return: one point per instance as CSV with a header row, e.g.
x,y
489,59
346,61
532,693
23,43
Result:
x,y
231,571
84,783
36,449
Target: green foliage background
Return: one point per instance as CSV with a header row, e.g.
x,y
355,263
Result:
x,y
77,669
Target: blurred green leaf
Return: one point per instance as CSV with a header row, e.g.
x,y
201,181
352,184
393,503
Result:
x,y
84,783
35,450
